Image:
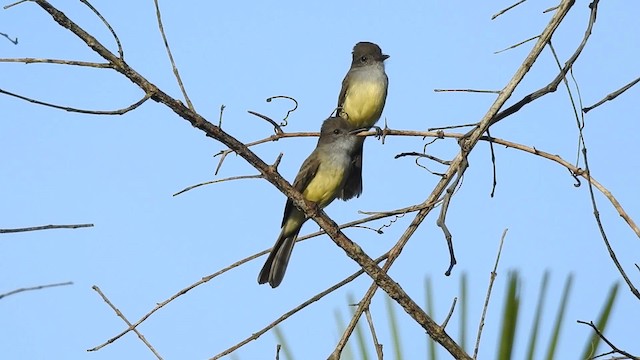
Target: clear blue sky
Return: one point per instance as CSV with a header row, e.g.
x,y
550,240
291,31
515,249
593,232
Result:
x,y
119,172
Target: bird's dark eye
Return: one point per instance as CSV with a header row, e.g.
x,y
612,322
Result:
x,y
363,59
337,131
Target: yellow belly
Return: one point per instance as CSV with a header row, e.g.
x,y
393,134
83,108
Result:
x,y
363,103
324,186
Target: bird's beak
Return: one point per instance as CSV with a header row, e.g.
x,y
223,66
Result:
x,y
385,57
357,131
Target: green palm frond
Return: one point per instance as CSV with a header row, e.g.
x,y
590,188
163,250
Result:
x,y
601,324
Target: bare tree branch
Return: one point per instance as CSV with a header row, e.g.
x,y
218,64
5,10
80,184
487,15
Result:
x,y
106,23
611,345
506,9
81,111
372,328
16,291
15,42
59,62
553,85
492,278
121,315
44,227
173,63
611,96
456,169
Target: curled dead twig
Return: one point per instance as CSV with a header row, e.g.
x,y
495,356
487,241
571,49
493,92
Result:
x,y
295,107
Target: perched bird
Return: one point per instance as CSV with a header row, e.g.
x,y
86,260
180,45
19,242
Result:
x,y
361,101
320,180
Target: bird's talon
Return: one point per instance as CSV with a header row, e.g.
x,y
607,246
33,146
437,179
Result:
x,y
379,132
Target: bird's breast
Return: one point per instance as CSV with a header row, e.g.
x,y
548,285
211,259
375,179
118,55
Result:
x,y
364,99
328,181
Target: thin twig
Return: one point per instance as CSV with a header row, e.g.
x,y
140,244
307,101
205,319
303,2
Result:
x,y
276,127
15,3
552,86
516,45
492,278
45,227
121,315
442,218
223,153
614,348
423,155
16,291
506,9
611,96
15,42
493,165
451,309
372,328
173,63
596,215
59,62
222,107
106,23
450,127
241,177
468,90
274,166
81,111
